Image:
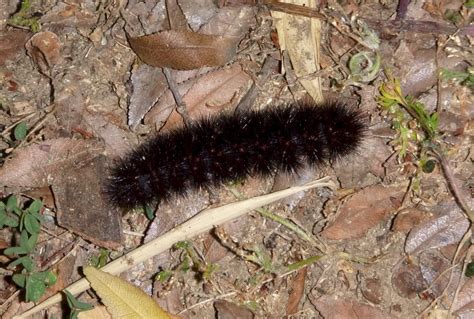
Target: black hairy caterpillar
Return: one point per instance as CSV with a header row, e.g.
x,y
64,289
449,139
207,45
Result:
x,y
234,146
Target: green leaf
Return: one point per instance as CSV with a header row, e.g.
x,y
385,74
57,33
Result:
x,y
26,261
35,288
470,270
32,224
19,279
149,212
15,251
429,166
12,203
11,222
35,206
32,241
164,275
20,131
50,278
76,304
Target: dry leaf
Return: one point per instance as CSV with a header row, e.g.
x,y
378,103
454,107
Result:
x,y
364,210
407,280
447,228
337,308
229,310
44,49
301,37
210,94
83,208
149,83
184,50
11,42
122,299
296,292
39,164
463,306
409,218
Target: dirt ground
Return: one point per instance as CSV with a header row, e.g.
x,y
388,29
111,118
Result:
x,y
392,240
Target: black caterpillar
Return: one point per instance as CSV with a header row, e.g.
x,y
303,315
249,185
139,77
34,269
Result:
x,y
234,146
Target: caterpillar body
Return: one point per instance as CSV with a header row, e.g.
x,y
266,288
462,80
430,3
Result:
x,y
233,146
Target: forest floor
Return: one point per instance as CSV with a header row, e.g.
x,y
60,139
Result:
x,y
392,240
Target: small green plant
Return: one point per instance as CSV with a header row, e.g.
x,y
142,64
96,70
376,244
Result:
x,y
75,305
191,261
465,78
28,222
423,131
100,260
24,18
20,131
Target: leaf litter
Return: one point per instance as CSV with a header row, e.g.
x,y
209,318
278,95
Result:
x,y
386,232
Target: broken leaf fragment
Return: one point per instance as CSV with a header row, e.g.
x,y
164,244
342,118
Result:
x,y
301,38
122,299
184,50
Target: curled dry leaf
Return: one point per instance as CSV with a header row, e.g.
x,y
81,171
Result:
x,y
364,210
184,50
39,164
122,299
210,94
44,49
448,228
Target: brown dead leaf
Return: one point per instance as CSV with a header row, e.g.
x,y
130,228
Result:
x,y
39,164
44,49
409,218
408,280
447,228
332,307
433,266
176,18
372,290
149,83
229,310
209,95
366,167
364,210
184,50
11,42
161,111
83,208
464,304
296,291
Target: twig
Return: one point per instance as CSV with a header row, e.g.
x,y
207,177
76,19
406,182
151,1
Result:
x,y
453,185
467,260
180,105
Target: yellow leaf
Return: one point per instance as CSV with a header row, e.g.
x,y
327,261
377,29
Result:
x,y
122,299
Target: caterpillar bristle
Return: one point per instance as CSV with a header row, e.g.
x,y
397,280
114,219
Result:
x,y
234,146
